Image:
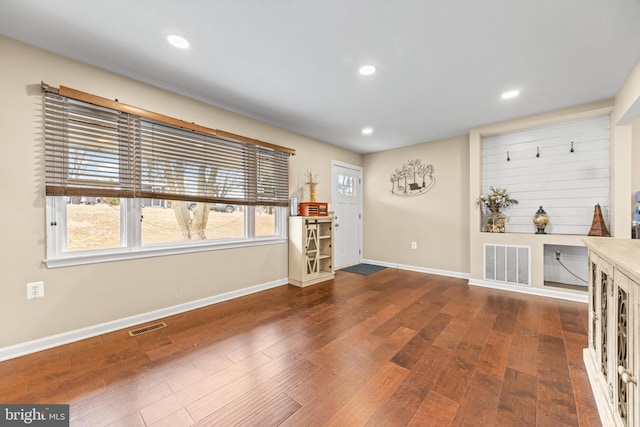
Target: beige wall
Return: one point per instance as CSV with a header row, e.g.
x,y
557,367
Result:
x,y
436,220
83,296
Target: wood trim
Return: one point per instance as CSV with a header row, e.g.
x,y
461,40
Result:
x,y
248,140
60,190
118,106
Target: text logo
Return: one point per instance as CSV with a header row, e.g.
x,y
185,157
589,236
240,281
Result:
x,y
34,415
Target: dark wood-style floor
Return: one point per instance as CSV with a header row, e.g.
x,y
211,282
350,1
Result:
x,y
393,348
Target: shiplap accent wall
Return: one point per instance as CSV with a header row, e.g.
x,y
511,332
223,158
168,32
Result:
x,y
568,185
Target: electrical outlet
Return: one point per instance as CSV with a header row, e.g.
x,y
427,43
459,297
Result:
x,y
35,290
414,245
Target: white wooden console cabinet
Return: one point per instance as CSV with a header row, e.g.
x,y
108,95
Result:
x,y
310,250
612,358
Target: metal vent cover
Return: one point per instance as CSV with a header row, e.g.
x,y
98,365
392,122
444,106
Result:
x,y
147,328
507,264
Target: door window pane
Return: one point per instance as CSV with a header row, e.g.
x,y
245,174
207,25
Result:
x,y
346,185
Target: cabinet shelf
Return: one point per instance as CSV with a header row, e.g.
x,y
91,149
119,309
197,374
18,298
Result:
x,y
310,250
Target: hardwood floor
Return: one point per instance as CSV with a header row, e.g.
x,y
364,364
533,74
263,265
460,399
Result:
x,y
393,348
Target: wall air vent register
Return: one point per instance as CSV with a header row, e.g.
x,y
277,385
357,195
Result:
x,y
507,264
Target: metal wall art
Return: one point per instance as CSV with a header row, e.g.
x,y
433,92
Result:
x,y
412,179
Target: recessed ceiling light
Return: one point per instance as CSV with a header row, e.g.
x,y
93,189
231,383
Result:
x,y
510,94
367,70
367,131
178,41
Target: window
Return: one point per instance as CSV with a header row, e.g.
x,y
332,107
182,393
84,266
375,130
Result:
x,y
122,185
346,185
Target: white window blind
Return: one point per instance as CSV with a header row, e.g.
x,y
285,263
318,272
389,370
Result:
x,y
543,171
88,151
97,151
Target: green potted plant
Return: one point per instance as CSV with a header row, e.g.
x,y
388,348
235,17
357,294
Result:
x,y
495,203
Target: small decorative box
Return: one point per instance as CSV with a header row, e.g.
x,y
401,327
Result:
x,y
314,209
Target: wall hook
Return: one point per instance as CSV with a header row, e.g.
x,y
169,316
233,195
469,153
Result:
x,y
572,150
537,151
508,158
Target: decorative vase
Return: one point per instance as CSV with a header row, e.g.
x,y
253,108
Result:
x,y
540,220
496,222
312,191
598,227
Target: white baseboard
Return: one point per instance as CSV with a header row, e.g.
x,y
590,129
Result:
x,y
495,285
551,293
418,269
45,343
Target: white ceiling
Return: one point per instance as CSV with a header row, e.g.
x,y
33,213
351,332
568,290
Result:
x,y
442,65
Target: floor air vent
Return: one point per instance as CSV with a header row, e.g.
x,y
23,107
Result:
x,y
146,329
507,264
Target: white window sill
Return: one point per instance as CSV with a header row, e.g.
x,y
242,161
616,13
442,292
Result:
x,y
93,257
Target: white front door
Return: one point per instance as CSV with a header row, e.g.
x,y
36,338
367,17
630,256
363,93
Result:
x,y
347,208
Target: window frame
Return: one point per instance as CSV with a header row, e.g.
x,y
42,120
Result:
x,y
131,237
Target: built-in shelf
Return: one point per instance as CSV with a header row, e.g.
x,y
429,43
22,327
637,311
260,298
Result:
x,y
565,267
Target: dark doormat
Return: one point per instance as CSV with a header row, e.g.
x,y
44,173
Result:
x,y
363,268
